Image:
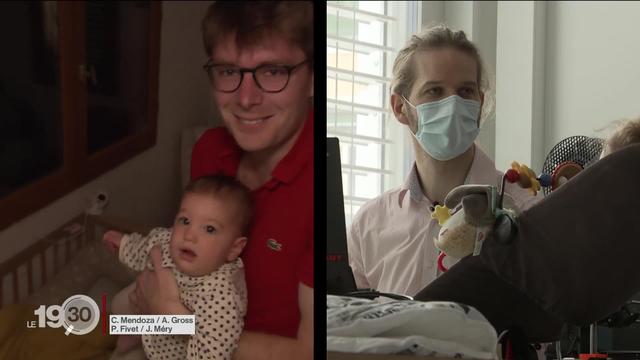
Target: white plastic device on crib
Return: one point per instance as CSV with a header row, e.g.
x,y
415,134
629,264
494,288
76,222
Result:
x,y
97,203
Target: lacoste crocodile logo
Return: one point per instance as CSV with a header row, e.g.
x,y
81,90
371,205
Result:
x,y
274,245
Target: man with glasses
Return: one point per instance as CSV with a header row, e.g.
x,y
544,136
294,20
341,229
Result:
x,y
261,70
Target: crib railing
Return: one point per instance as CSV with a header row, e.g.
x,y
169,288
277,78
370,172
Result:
x,y
30,269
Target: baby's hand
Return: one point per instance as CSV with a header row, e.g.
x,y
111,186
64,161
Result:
x,y
112,240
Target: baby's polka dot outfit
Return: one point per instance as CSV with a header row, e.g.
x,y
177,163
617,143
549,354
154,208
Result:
x,y
219,301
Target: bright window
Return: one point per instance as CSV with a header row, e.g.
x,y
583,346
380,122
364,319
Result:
x,y
363,38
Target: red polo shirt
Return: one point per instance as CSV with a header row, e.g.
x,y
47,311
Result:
x,y
279,252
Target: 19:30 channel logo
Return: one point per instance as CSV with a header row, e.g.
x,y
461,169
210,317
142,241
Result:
x,y
79,315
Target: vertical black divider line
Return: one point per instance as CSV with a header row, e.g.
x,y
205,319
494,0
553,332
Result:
x,y
320,170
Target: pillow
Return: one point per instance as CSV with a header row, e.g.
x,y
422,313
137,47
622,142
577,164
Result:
x,y
81,273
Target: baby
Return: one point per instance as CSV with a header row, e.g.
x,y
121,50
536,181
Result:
x,y
202,251
627,132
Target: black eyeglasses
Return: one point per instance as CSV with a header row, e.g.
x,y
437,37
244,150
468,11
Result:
x,y
269,78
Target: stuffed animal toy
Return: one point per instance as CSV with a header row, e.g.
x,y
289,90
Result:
x,y
470,212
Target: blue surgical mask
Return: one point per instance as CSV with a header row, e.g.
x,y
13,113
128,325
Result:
x,y
448,127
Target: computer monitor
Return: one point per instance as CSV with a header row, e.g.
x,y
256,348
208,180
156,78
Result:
x,y
339,275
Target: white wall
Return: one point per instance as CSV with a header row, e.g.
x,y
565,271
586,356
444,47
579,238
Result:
x,y
563,68
593,72
478,20
432,12
459,15
483,34
519,83
146,188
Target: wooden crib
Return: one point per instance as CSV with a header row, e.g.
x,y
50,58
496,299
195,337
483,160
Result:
x,y
31,270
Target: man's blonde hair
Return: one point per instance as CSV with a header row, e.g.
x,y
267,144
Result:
x,y
437,37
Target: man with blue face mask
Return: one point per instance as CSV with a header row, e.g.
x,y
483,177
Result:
x,y
438,93
447,127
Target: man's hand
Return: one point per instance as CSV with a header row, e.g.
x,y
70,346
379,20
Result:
x,y
156,291
112,240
